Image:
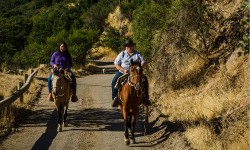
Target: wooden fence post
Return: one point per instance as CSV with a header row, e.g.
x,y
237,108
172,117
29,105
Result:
x,y
19,85
25,77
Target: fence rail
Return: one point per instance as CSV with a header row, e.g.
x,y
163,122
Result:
x,y
17,94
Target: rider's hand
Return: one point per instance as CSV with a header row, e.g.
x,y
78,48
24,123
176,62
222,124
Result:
x,y
66,71
125,71
55,66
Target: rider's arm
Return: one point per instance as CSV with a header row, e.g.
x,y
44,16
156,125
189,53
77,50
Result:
x,y
118,67
143,62
118,62
52,60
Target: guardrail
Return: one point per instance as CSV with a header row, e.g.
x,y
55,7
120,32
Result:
x,y
17,94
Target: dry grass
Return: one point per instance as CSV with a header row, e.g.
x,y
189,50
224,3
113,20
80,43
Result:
x,y
8,83
119,22
223,94
102,52
234,137
11,116
201,138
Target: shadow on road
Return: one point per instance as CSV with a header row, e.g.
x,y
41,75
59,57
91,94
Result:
x,y
166,127
46,138
97,119
103,119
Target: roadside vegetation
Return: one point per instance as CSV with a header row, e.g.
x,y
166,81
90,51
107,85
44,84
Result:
x,y
11,117
198,54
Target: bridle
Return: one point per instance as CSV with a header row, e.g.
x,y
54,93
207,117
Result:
x,y
138,84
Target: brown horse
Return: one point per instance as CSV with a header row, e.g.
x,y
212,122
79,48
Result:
x,y
61,92
131,95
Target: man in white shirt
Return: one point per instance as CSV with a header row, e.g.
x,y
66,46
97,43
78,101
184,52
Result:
x,y
122,64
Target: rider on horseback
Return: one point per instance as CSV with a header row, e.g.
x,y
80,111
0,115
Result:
x,y
122,63
62,59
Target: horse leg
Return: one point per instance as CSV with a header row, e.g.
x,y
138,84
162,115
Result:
x,y
133,122
65,122
60,114
125,117
129,121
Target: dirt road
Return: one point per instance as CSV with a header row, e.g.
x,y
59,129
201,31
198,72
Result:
x,y
93,124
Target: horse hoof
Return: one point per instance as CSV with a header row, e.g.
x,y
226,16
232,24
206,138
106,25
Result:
x,y
133,141
60,129
65,124
126,141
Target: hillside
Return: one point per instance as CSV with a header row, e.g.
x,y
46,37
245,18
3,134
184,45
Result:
x,y
199,71
197,53
203,81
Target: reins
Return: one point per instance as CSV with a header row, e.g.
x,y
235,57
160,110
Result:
x,y
137,85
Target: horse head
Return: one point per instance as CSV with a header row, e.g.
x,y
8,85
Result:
x,y
136,73
58,82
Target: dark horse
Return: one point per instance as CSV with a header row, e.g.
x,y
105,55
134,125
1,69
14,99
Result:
x,y
61,92
131,95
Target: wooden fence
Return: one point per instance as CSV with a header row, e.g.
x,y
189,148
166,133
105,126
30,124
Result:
x,y
19,93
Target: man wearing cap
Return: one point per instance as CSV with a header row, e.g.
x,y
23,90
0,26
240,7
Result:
x,y
122,64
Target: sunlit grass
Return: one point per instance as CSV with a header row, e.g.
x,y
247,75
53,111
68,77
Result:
x,y
10,116
222,95
103,53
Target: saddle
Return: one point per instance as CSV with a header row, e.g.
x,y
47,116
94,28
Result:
x,y
121,81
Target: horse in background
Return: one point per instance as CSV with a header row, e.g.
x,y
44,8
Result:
x,y
131,95
61,92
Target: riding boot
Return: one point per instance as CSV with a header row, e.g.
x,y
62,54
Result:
x,y
50,98
115,102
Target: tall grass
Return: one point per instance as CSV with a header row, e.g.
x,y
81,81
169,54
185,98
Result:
x,y
222,96
12,116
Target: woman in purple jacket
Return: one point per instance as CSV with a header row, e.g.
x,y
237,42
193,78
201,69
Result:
x,y
62,59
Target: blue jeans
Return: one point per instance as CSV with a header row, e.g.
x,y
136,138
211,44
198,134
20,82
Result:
x,y
73,83
115,91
